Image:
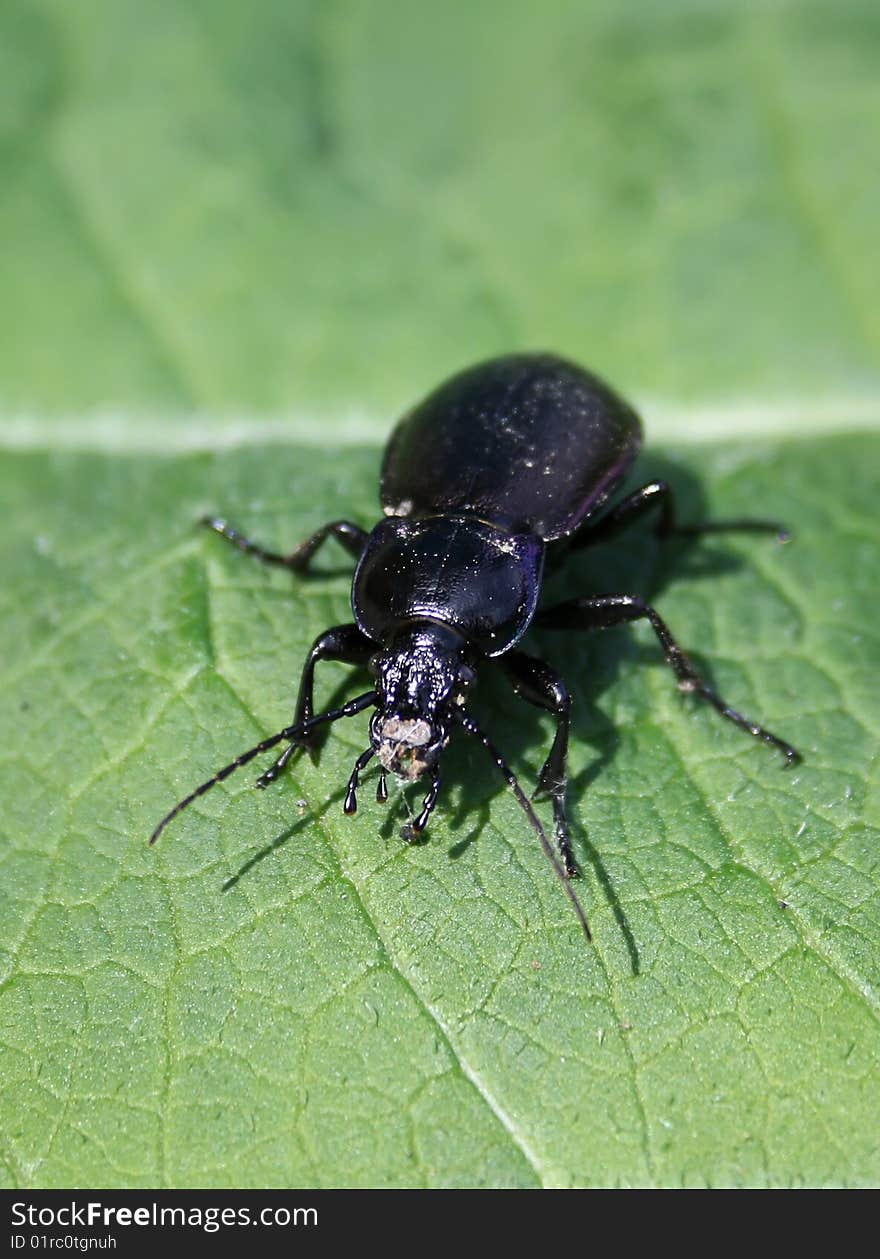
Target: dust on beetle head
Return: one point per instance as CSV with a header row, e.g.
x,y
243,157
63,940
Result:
x,y
407,746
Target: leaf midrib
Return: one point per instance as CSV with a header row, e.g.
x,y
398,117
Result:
x,y
140,432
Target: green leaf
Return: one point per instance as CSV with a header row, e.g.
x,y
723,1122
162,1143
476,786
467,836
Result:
x,y
285,222
279,995
327,207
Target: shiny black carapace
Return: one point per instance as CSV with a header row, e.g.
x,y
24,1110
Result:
x,y
501,462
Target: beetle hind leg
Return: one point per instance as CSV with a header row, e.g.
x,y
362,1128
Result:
x,y
658,496
606,611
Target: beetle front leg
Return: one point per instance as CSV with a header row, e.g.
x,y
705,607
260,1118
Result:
x,y
536,682
352,537
658,496
606,611
344,643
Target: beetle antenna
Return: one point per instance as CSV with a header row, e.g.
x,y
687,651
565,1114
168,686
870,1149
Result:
x,y
525,804
291,733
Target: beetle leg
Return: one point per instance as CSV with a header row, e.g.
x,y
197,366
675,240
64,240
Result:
x,y
344,643
278,765
536,682
352,537
657,496
606,611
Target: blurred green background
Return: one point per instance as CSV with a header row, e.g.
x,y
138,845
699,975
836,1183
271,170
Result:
x,y
235,242
321,209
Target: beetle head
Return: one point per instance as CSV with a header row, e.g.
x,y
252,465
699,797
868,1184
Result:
x,y
421,675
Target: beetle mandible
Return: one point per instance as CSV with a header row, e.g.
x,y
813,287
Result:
x,y
501,462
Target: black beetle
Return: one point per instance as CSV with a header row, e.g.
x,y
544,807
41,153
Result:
x,y
501,460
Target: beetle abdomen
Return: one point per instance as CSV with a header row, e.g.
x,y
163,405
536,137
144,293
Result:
x,y
482,582
529,442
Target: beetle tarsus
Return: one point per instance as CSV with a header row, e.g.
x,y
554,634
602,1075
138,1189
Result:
x,y
278,766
